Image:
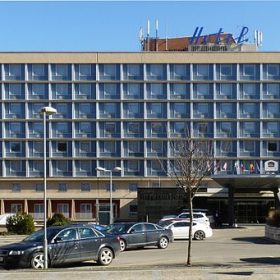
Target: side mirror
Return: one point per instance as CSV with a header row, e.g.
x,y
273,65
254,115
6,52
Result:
x,y
57,239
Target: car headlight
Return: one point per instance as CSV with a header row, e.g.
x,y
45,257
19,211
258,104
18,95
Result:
x,y
16,253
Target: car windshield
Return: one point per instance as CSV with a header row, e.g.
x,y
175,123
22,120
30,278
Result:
x,y
118,228
38,236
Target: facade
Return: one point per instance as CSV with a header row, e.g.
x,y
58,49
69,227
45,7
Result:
x,y
123,109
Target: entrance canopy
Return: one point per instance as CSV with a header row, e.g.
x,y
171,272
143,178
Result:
x,y
252,182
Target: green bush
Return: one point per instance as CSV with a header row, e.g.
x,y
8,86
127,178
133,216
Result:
x,y
273,218
20,223
58,219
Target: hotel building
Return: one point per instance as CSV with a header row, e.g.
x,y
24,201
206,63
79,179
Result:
x,y
122,110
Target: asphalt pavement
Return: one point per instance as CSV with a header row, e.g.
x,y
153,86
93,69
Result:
x,y
241,253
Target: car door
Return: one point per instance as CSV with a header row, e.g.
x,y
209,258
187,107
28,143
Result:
x,y
136,235
152,233
89,243
65,247
180,230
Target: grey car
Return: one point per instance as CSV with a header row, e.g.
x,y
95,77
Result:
x,y
133,235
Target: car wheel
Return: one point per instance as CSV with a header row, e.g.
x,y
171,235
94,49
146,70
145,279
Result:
x,y
199,235
163,243
37,260
122,245
105,256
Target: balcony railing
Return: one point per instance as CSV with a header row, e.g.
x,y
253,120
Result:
x,y
84,216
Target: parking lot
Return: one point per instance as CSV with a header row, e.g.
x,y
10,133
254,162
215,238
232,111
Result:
x,y
238,250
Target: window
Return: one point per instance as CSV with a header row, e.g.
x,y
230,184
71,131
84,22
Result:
x,y
14,71
61,72
133,147
85,72
38,211
16,187
226,90
133,210
86,233
110,91
156,90
85,187
249,70
110,128
133,166
272,146
85,128
62,146
39,187
61,91
38,91
226,70
178,91
63,110
38,72
249,146
68,234
179,71
134,128
133,71
133,90
16,208
84,147
202,70
109,71
15,147
203,90
157,128
62,187
156,71
137,228
84,91
150,227
14,91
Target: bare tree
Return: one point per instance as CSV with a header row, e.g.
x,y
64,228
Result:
x,y
192,160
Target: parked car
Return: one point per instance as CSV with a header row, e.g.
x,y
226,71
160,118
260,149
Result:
x,y
141,234
70,243
4,217
180,229
197,217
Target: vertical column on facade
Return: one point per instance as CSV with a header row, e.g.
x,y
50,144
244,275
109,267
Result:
x,y
27,114
261,120
49,212
97,210
73,210
2,207
25,206
231,218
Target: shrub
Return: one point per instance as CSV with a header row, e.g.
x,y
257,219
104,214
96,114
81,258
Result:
x,y
20,223
58,219
273,218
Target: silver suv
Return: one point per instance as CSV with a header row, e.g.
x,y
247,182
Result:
x,y
197,217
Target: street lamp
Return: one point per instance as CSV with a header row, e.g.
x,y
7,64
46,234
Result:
x,y
46,111
111,188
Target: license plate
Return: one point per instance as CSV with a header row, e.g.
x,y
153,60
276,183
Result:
x,y
1,259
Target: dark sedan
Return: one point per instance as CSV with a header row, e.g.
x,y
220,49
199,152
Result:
x,y
141,234
75,243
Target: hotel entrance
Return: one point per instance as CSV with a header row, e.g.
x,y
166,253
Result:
x,y
252,211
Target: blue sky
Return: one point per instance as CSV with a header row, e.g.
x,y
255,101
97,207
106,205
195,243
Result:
x,y
114,25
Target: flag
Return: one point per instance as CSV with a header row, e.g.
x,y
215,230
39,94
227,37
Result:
x,y
225,166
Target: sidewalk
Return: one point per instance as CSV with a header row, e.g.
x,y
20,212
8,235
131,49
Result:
x,y
183,273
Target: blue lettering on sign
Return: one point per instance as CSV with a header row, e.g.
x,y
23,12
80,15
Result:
x,y
194,40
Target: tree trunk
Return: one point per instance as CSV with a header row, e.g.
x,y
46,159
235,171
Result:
x,y
189,197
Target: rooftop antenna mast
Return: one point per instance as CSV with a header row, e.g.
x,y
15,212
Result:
x,y
258,38
148,35
157,35
141,38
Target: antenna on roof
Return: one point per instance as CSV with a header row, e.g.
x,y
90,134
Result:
x,y
156,28
141,37
156,34
258,38
148,34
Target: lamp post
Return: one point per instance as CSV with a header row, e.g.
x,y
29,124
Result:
x,y
46,111
111,188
